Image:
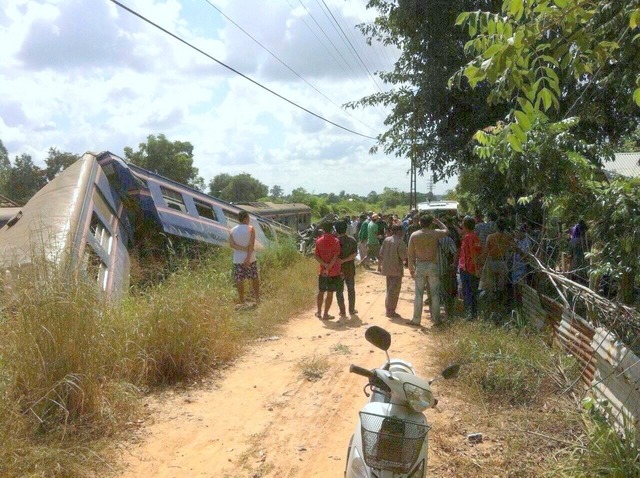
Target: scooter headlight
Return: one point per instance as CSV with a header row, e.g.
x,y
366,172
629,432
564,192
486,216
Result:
x,y
419,398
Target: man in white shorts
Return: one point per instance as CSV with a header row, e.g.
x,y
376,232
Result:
x,y
242,240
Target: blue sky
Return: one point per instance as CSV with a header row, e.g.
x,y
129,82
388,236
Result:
x,y
88,76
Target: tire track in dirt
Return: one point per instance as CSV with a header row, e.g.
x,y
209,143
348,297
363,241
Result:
x,y
262,418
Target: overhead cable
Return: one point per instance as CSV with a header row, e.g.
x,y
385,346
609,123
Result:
x,y
334,46
348,41
133,12
285,65
327,37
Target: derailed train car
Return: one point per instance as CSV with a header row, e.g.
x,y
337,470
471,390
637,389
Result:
x,y
101,207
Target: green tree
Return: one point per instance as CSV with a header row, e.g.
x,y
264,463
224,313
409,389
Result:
x,y
58,161
244,187
5,171
390,198
218,183
276,192
299,195
372,197
173,160
25,179
552,60
631,141
429,122
332,198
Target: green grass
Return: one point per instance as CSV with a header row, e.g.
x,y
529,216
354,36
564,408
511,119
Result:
x,y
602,451
503,365
514,389
73,366
313,368
341,349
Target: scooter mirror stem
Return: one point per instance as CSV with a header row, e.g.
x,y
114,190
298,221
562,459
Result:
x,y
388,362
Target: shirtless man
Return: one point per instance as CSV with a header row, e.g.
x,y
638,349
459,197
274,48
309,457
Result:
x,y
495,271
423,265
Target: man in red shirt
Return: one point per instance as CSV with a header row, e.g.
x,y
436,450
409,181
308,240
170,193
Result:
x,y
329,280
470,250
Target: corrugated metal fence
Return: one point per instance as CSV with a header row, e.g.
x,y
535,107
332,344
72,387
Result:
x,y
610,370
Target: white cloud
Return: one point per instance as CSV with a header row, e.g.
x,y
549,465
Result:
x,y
83,76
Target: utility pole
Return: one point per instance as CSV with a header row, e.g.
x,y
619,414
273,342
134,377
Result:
x,y
430,187
413,194
413,187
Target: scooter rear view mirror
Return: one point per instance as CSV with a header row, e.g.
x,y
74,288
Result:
x,y
451,371
379,337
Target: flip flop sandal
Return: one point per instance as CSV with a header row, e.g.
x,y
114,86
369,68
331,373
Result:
x,y
328,317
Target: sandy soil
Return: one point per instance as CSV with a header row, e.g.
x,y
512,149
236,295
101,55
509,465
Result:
x,y
263,418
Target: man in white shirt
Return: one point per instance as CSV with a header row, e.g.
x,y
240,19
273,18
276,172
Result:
x,y
242,239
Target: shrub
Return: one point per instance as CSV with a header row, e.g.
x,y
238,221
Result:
x,y
507,366
71,362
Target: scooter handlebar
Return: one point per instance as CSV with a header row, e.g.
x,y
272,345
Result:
x,y
360,371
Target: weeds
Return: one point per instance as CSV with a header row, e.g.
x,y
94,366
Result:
x,y
341,349
512,391
72,365
509,366
602,451
313,368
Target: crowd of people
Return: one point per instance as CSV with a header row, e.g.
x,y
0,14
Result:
x,y
446,256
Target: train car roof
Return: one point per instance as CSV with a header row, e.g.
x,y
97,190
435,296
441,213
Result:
x,y
107,156
438,206
266,207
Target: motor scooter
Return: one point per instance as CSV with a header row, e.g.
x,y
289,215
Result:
x,y
390,440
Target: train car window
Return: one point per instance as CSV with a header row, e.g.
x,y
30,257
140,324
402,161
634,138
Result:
x,y
95,268
266,228
232,217
103,207
100,232
173,199
205,210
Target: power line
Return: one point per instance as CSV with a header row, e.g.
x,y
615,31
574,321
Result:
x,y
333,44
348,41
285,65
380,45
320,41
124,7
327,37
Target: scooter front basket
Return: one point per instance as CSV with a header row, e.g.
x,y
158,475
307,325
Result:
x,y
390,443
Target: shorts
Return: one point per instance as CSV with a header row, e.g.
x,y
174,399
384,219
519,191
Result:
x,y
329,283
242,272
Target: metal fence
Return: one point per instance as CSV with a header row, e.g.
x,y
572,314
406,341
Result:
x,y
610,370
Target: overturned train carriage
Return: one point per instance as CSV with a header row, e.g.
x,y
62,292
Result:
x,y
92,214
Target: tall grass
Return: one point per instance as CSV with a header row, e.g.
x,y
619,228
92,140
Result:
x,y
514,367
73,364
602,451
514,388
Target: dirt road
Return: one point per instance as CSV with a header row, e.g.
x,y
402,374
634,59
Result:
x,y
263,418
